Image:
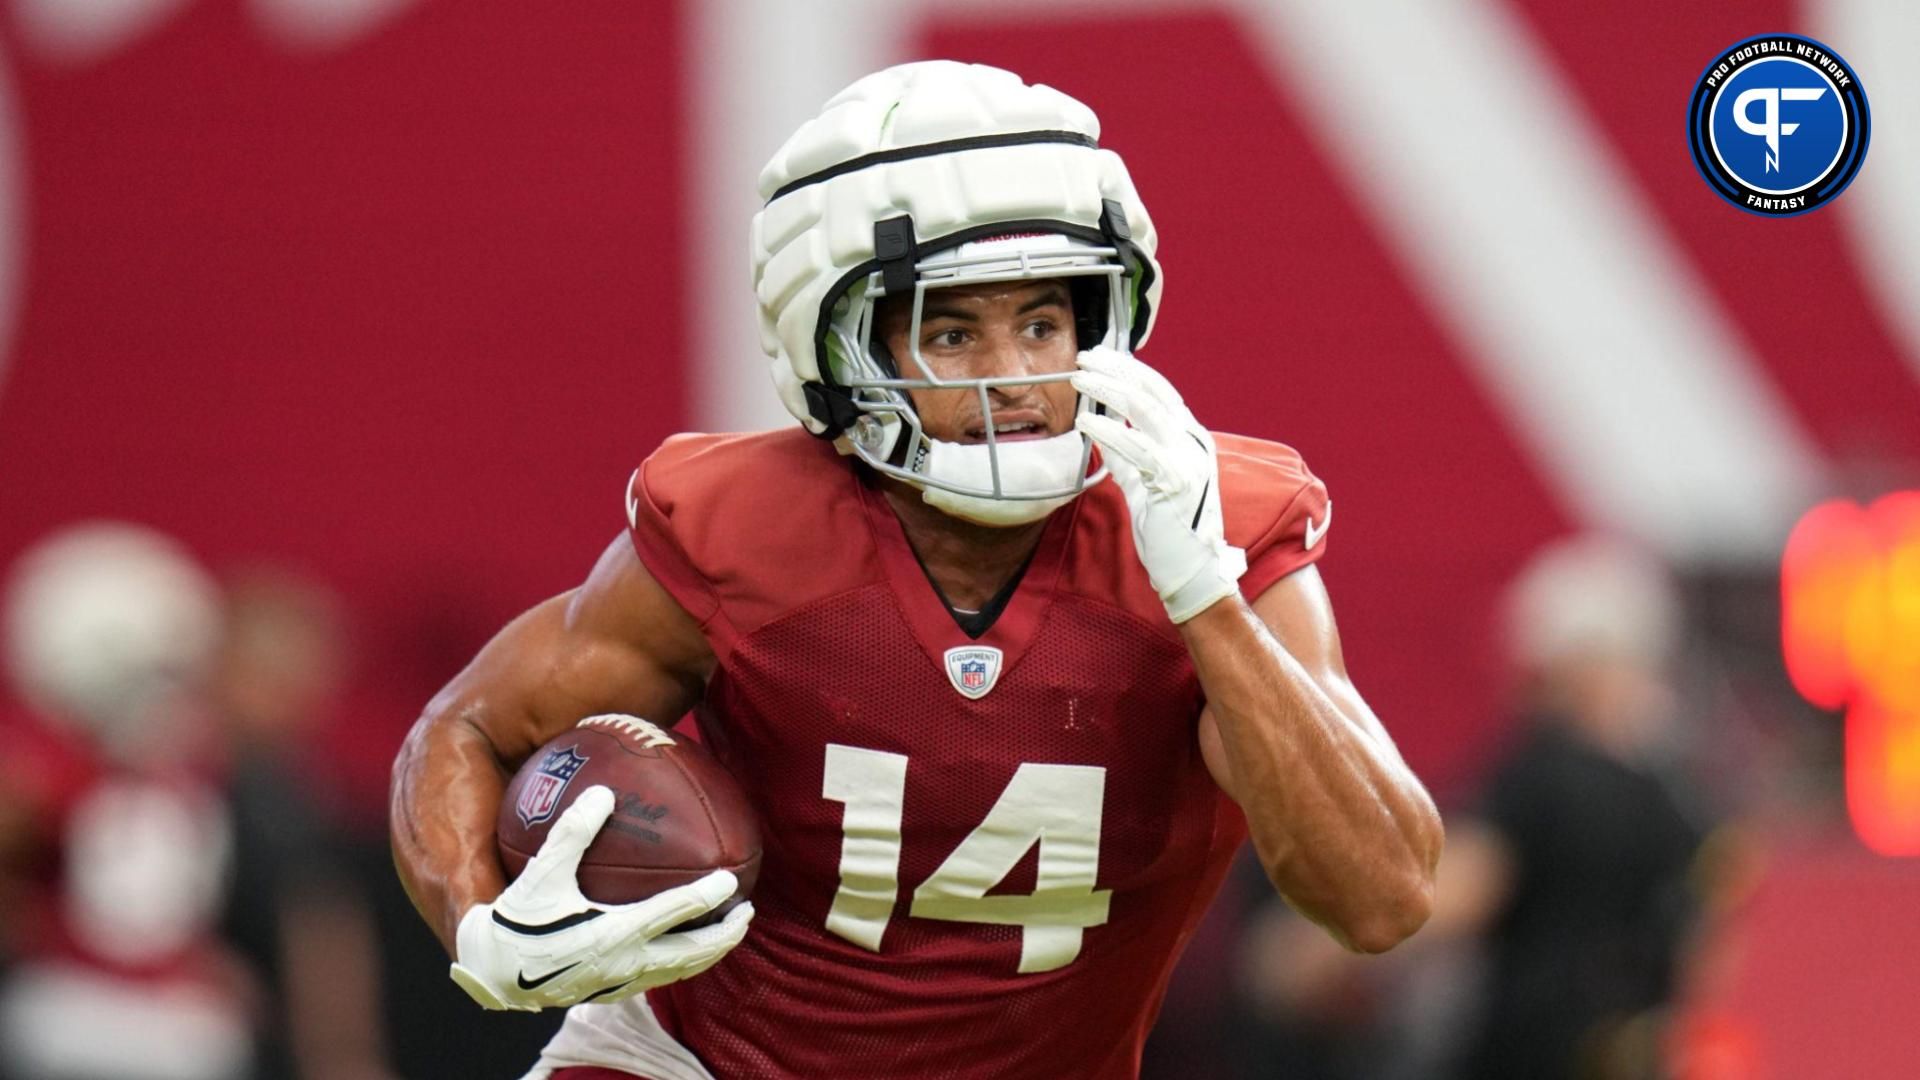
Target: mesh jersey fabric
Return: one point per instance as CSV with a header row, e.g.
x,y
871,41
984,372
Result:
x,y
828,634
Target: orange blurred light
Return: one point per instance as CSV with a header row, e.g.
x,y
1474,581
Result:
x,y
1826,553
1850,634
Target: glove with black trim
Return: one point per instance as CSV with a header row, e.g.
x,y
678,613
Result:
x,y
542,944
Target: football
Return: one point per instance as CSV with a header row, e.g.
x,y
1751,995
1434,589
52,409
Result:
x,y
678,815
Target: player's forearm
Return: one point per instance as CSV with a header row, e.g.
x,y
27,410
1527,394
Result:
x,y
447,784
1342,826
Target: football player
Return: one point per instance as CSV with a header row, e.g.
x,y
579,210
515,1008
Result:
x,y
1010,652
114,842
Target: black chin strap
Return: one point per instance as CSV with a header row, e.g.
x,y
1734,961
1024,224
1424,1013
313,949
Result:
x,y
832,406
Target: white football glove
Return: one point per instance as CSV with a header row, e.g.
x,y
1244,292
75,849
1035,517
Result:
x,y
542,944
1165,466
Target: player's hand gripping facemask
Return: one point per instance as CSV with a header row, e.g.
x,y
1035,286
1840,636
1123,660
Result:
x,y
544,945
926,176
1165,465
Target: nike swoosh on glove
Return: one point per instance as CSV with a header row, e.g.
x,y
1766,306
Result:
x,y
542,944
1165,464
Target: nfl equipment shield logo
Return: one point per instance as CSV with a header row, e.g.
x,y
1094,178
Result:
x,y
544,788
973,669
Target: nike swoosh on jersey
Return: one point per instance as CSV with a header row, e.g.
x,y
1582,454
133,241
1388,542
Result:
x,y
1314,533
534,984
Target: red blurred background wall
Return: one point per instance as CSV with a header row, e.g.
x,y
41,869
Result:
x,y
404,313
404,307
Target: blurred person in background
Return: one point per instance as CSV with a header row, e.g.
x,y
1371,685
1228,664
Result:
x,y
1304,1009
114,844
1562,900
1584,839
1200,1028
294,912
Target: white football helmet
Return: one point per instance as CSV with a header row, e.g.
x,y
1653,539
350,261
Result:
x,y
106,623
930,175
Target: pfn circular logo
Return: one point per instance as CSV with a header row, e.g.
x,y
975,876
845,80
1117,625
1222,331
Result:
x,y
1778,125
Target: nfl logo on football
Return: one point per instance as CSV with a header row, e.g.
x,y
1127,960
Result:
x,y
542,792
973,669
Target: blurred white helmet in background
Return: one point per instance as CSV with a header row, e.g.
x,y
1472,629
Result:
x,y
105,623
1592,597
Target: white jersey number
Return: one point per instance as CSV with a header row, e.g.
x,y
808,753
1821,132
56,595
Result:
x,y
1056,806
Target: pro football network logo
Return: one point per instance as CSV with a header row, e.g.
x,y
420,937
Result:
x,y
973,669
1778,125
544,788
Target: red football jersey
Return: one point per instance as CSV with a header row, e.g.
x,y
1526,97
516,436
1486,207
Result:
x,y
982,856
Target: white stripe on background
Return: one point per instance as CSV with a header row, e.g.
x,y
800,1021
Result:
x,y
87,31
761,68
326,24
1590,330
1880,211
1528,240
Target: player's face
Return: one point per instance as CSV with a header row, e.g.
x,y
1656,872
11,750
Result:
x,y
985,331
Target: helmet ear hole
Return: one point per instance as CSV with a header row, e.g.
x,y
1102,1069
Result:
x,y
1090,310
837,367
883,356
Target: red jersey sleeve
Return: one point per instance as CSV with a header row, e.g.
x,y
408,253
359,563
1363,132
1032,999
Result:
x,y
1275,509
709,513
653,503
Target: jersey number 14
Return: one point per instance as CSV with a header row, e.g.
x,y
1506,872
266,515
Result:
x,y
1056,806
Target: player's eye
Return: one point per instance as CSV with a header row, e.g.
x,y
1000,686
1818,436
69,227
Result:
x,y
1042,328
946,339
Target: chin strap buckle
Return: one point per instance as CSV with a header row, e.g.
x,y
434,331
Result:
x,y
832,406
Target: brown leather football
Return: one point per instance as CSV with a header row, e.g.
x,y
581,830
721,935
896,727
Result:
x,y
677,816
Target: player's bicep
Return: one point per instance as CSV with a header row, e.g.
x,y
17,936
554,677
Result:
x,y
618,643
639,648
